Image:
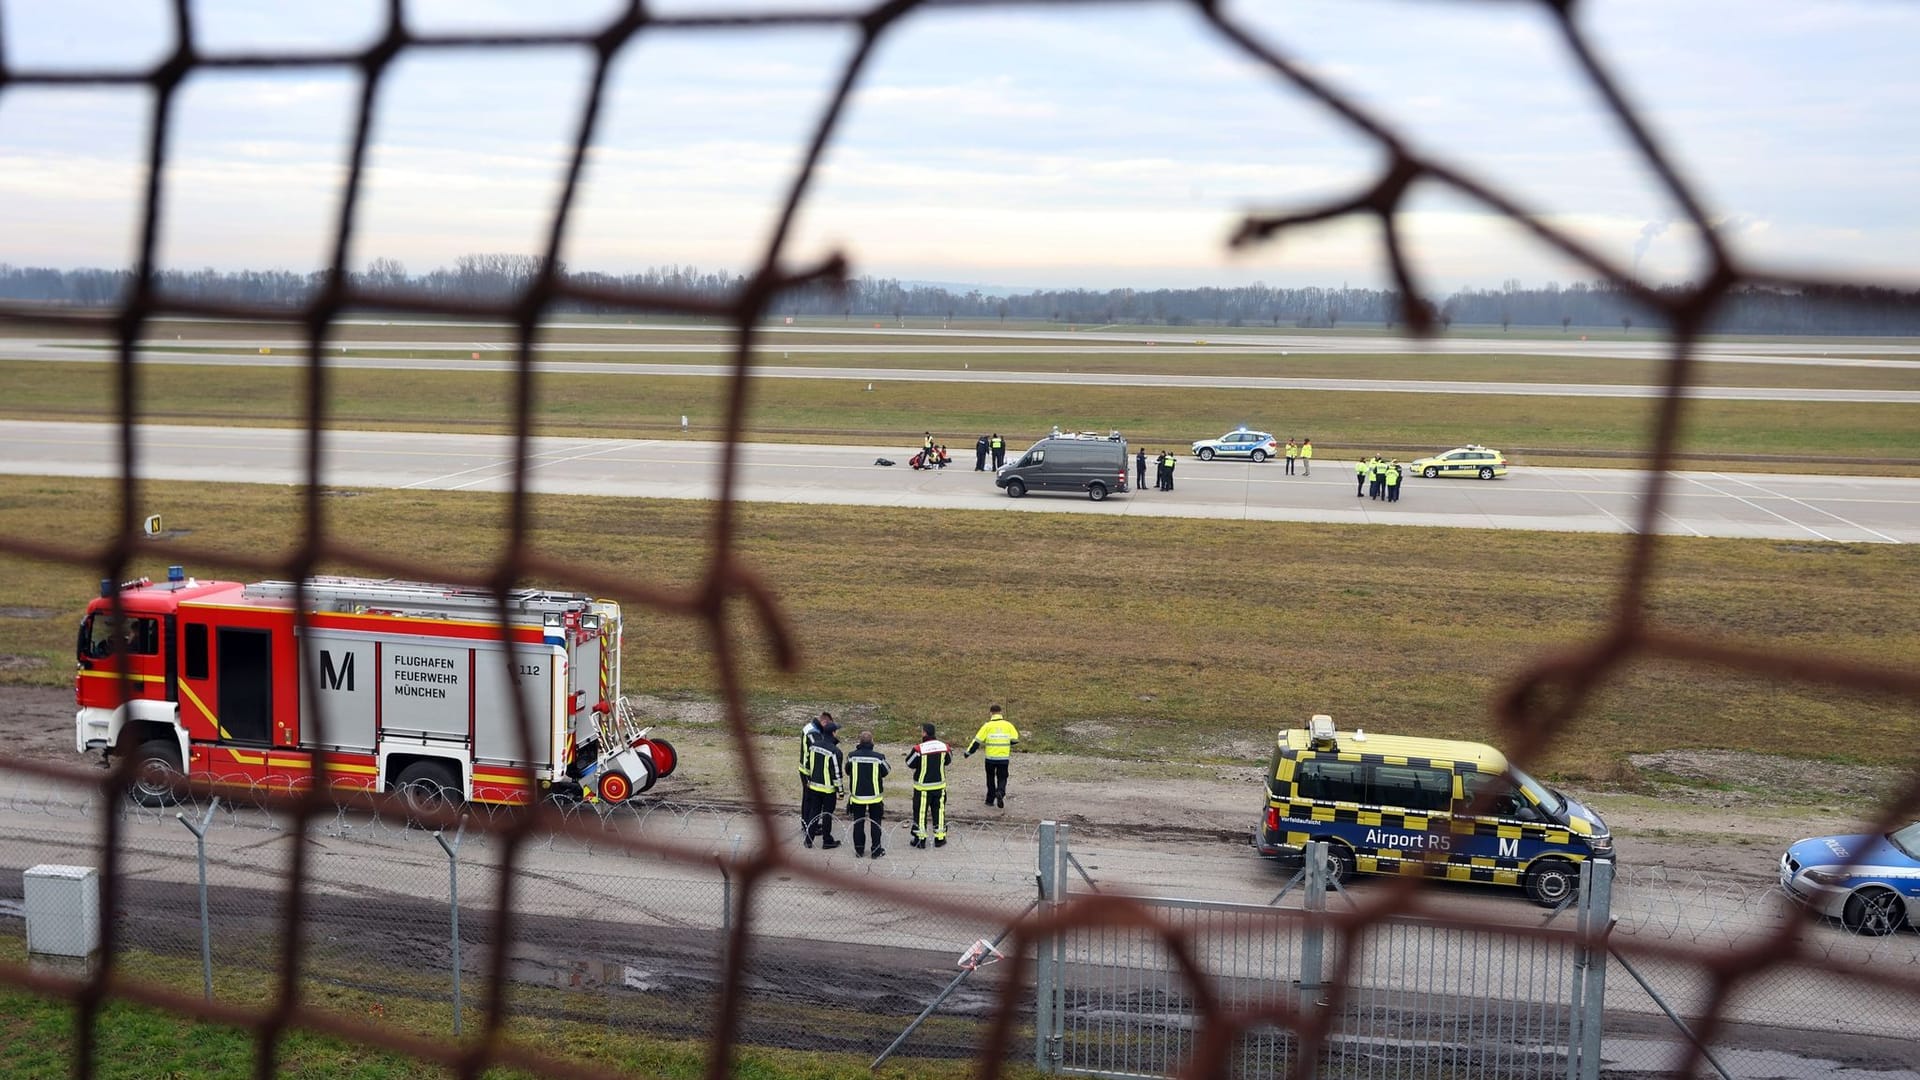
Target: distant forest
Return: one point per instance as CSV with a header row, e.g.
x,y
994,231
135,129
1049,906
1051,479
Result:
x,y
496,278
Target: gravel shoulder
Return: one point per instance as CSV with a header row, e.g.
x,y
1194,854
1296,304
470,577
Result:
x,y
1727,814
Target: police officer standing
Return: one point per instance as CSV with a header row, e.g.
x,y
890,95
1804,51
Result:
x,y
1393,481
999,738
1379,479
823,786
928,759
866,794
1168,461
999,447
980,454
1361,469
1140,469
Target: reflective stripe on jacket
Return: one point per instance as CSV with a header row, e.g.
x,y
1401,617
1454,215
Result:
x,y
823,766
866,776
997,736
928,760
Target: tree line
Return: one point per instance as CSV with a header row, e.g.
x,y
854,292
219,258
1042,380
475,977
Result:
x,y
498,278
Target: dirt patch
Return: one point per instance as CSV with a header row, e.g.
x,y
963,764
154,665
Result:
x,y
1736,777
10,662
37,722
27,613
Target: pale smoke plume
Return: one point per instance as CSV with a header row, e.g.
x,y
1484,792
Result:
x,y
1648,233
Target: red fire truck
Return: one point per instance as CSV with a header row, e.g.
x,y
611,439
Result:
x,y
414,685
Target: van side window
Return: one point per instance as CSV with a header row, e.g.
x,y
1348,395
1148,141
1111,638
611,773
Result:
x,y
1412,786
1034,457
1331,781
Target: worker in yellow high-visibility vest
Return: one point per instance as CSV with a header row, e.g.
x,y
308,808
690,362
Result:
x,y
998,738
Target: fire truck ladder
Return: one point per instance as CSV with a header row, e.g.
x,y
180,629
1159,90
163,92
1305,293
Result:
x,y
415,598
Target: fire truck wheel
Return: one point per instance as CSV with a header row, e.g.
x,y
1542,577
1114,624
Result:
x,y
159,767
427,786
664,757
648,774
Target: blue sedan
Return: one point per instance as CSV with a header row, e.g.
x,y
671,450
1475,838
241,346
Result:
x,y
1870,882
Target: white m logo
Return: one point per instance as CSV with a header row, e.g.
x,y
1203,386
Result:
x,y
1509,848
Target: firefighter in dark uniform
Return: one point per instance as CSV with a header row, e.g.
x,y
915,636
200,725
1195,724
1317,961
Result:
x,y
866,794
807,735
999,738
929,759
823,786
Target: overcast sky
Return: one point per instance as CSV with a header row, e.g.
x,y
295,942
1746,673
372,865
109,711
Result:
x,y
1100,146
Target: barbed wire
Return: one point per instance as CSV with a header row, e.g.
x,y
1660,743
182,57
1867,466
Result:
x,y
1534,711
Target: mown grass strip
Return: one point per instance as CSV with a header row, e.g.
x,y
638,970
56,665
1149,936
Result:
x,y
838,411
1137,638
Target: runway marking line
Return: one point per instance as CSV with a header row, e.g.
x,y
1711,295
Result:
x,y
1763,509
1808,505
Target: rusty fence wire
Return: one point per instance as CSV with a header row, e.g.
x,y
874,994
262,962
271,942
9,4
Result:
x,y
1533,711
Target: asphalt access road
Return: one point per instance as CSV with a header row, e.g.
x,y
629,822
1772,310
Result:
x,y
1743,505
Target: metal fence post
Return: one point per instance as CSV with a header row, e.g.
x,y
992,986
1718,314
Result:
x,y
1313,943
453,904
206,927
1596,927
1048,866
1056,1038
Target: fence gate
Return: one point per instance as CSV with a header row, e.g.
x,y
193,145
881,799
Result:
x,y
1424,999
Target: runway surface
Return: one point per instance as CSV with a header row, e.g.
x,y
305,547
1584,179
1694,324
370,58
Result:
x,y
1746,505
494,354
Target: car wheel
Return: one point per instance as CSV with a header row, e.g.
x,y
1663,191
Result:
x,y
156,770
1341,865
1259,456
1486,472
1552,882
1015,489
1096,492
1430,471
1873,912
1206,453
427,787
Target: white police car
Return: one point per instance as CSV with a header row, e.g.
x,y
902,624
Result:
x,y
1239,443
1870,882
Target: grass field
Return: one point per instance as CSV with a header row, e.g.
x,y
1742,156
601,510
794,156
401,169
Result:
x,y
834,411
1133,638
139,1043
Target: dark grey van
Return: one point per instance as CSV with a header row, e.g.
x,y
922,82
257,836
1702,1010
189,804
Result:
x,y
1095,466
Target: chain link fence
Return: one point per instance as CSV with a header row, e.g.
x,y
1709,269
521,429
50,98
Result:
x,y
627,941
304,902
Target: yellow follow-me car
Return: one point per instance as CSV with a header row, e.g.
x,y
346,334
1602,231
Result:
x,y
1468,460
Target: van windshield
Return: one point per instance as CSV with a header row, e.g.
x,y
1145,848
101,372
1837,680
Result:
x,y
1550,800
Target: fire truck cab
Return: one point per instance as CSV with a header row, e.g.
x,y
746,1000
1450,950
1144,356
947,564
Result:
x,y
387,685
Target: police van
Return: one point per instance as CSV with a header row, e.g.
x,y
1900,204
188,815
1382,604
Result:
x,y
1393,804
